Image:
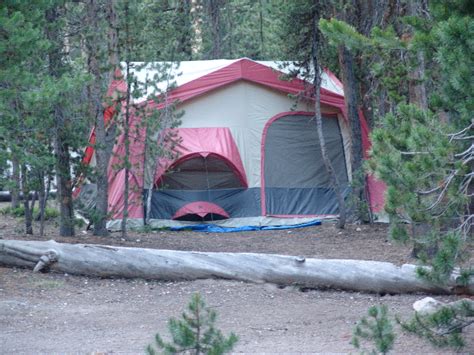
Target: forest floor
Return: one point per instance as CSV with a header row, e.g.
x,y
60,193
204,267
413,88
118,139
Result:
x,y
60,313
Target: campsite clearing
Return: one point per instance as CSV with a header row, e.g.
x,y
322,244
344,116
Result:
x,y
53,313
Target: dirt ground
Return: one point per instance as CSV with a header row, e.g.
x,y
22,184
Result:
x,y
58,313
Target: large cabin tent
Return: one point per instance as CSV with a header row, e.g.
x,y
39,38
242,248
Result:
x,y
247,152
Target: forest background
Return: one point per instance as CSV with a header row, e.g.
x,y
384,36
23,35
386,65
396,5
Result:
x,y
407,65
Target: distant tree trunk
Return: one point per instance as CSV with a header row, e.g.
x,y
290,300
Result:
x,y
230,29
114,64
416,86
15,190
215,17
41,200
112,42
63,176
262,42
319,121
61,147
126,128
184,25
196,19
97,112
26,200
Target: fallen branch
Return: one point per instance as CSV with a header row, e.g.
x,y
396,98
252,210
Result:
x,y
108,261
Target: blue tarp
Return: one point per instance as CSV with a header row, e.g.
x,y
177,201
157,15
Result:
x,y
213,228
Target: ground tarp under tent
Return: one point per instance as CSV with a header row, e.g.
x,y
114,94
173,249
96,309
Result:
x,y
247,154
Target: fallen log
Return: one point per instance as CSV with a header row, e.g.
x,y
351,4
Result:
x,y
111,261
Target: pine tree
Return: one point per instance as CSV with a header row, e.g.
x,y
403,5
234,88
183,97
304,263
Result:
x,y
23,126
195,333
377,328
444,327
424,158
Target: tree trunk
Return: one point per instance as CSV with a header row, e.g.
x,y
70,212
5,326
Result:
x,y
61,147
196,19
416,85
108,261
262,41
319,124
112,39
96,111
15,190
26,200
215,18
63,177
184,26
346,60
43,204
41,200
126,127
347,64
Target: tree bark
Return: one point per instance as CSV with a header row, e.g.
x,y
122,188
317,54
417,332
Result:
x,y
319,123
96,111
15,190
359,209
346,60
126,127
416,85
112,39
41,200
61,147
153,264
26,200
215,18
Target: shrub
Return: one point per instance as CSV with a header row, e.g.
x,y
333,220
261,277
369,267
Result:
x,y
49,212
378,329
195,333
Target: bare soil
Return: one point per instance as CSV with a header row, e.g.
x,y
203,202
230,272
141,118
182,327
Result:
x,y
58,313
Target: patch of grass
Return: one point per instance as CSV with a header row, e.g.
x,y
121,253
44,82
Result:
x,y
79,223
148,229
49,212
46,283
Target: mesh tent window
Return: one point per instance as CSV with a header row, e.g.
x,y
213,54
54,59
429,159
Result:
x,y
201,171
295,178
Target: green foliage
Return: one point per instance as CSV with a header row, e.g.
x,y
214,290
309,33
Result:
x,y
341,33
79,222
377,328
442,328
414,155
49,212
358,206
195,333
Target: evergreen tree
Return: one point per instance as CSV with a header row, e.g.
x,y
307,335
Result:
x,y
424,157
377,328
423,151
444,327
195,333
23,128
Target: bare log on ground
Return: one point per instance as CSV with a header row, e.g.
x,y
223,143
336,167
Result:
x,y
110,261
